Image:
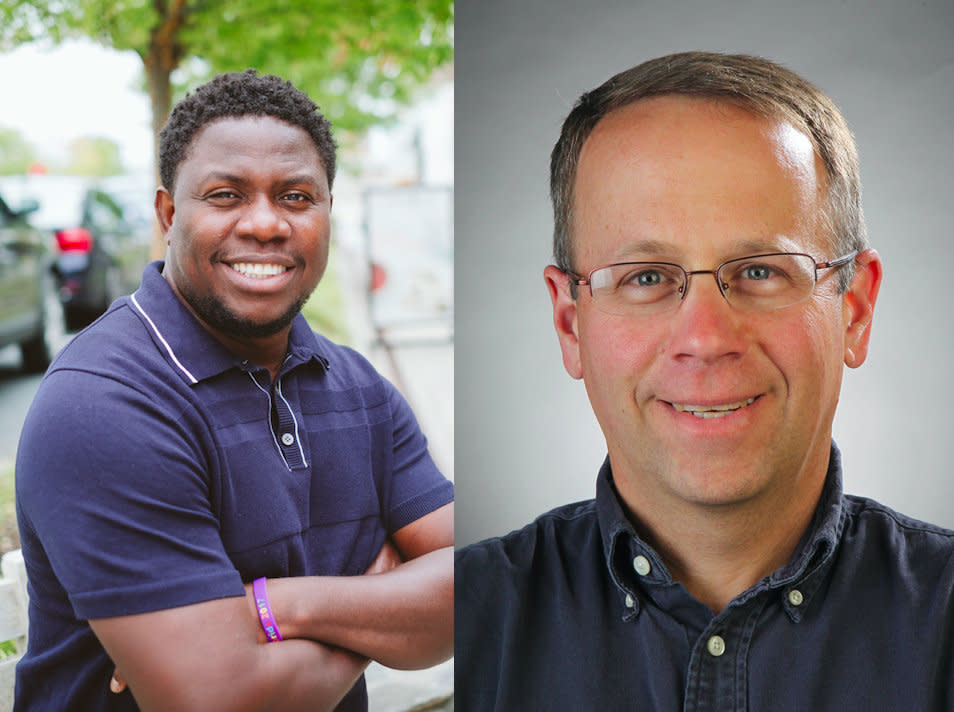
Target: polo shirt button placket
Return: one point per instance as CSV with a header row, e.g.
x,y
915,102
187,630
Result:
x,y
286,429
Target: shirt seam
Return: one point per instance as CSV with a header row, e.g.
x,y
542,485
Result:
x,y
188,406
868,507
300,532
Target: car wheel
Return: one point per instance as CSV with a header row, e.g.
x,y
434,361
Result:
x,y
39,351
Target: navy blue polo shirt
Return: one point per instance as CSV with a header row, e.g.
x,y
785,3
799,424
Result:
x,y
156,469
576,612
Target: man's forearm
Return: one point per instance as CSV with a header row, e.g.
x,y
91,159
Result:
x,y
402,619
223,666
316,678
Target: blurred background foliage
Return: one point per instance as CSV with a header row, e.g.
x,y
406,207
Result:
x,y
17,154
359,60
96,156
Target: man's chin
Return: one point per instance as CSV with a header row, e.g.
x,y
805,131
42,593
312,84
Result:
x,y
222,319
247,329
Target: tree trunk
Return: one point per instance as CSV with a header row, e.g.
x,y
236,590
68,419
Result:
x,y
165,53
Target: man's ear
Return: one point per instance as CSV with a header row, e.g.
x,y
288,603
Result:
x,y
858,306
165,209
565,319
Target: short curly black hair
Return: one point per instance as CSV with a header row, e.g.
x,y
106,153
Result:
x,y
238,94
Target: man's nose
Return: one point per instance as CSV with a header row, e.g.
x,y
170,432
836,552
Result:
x,y
705,326
264,220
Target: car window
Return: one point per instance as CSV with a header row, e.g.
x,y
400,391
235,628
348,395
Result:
x,y
103,214
60,198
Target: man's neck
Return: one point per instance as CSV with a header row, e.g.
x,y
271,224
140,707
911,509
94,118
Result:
x,y
717,560
267,352
718,552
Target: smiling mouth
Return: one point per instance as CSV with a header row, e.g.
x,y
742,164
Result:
x,y
713,411
258,271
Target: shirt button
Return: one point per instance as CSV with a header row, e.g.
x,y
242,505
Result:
x,y
629,601
715,646
795,597
641,564
288,439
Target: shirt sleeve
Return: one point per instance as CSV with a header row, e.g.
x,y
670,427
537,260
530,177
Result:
x,y
416,486
113,489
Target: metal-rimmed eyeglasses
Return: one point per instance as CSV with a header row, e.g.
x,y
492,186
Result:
x,y
757,282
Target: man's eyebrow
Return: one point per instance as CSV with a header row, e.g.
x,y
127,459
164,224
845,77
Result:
x,y
221,177
302,179
647,249
773,243
642,248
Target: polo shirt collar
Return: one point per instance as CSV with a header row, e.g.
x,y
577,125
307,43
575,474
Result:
x,y
190,349
805,571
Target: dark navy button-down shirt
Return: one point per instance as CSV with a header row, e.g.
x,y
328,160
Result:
x,y
156,469
576,612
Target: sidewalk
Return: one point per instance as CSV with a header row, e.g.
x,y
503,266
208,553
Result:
x,y
410,691
420,362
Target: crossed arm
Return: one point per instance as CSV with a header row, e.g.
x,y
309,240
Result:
x,y
210,656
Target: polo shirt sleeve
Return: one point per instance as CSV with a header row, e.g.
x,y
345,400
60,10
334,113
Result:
x,y
113,483
416,486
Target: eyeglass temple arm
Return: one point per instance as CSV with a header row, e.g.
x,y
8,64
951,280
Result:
x,y
575,278
838,261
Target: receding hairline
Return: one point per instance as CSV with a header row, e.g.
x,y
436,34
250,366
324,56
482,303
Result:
x,y
760,110
754,84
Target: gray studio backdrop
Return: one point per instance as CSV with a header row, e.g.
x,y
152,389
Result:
x,y
526,439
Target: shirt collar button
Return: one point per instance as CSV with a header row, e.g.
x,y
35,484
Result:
x,y
641,565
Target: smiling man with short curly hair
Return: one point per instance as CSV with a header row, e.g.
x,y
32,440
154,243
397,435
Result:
x,y
230,509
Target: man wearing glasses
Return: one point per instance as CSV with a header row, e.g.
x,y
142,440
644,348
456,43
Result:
x,y
712,277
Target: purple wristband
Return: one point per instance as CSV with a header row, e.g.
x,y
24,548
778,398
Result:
x,y
265,614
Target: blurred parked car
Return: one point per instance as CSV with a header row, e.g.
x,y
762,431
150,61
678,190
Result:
x,y
136,196
100,254
31,314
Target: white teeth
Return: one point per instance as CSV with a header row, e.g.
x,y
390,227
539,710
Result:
x,y
257,271
712,411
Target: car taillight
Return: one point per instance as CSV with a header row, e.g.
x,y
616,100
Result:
x,y
74,239
379,276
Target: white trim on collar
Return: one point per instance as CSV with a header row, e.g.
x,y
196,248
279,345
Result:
x,y
172,355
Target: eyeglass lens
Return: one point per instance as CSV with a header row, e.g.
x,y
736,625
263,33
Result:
x,y
761,282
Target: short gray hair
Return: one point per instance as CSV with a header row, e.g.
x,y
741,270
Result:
x,y
751,83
